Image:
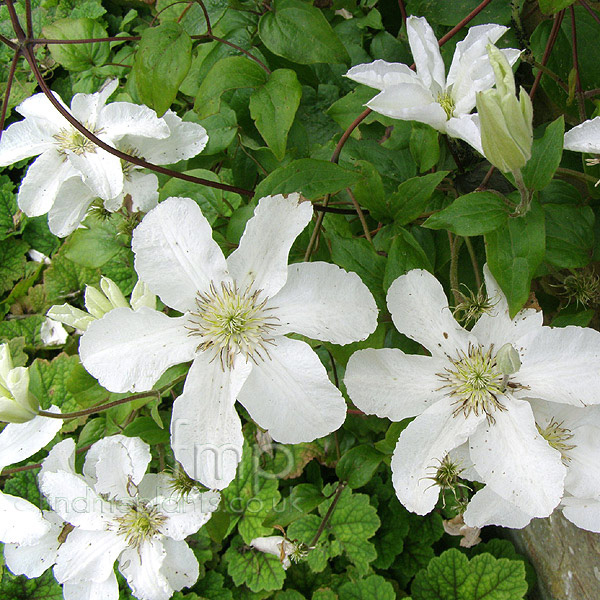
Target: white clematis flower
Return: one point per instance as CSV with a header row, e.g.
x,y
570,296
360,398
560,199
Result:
x,y
236,314
585,138
285,550
461,394
20,521
119,513
427,95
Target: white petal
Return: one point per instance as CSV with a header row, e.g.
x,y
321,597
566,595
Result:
x,y
421,448
381,74
101,171
426,52
19,441
92,590
561,365
70,206
42,183
290,394
516,462
34,559
185,140
60,458
52,333
410,102
129,350
420,311
583,512
466,128
20,521
76,502
180,566
206,432
324,302
118,119
142,569
116,463
389,383
175,253
87,107
143,189
24,139
584,137
487,508
583,468
39,107
260,261
88,556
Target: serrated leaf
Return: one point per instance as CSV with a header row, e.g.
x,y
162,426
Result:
x,y
299,32
273,107
514,252
311,177
545,156
12,262
27,328
63,278
21,588
10,223
161,63
229,73
77,57
371,587
94,246
24,485
303,498
569,235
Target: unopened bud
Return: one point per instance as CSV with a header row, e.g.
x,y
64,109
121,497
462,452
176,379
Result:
x,y
17,404
508,360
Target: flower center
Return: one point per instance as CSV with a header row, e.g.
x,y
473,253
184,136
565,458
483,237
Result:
x,y
476,381
140,523
447,103
69,139
233,323
558,437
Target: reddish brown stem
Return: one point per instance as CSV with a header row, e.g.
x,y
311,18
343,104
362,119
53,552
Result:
x,y
578,90
547,50
11,74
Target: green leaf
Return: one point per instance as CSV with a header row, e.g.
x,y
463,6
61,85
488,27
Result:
x,y
12,262
148,430
27,328
372,587
472,214
229,73
569,235
369,191
273,108
77,57
581,318
452,576
424,146
222,127
94,246
357,465
549,7
299,32
411,198
10,222
514,252
303,498
21,588
311,177
545,156
64,278
212,587
161,63
405,254
257,570
345,110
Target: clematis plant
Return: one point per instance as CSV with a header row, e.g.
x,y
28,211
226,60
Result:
x,y
585,137
427,95
474,388
71,171
17,403
237,313
117,512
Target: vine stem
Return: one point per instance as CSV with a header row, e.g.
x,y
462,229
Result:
x,y
547,50
578,89
455,243
338,493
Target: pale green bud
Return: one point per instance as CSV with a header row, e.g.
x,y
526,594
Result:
x,y
508,360
505,121
142,296
96,302
17,404
69,315
113,293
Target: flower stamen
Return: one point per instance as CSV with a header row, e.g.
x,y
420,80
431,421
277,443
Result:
x,y
70,139
558,437
140,523
447,103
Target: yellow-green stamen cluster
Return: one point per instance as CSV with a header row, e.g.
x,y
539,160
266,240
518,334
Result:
x,y
181,483
447,478
299,552
447,103
558,437
583,287
475,381
473,305
70,139
232,323
140,523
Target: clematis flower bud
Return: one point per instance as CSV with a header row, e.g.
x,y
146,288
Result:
x,y
508,360
280,547
17,404
505,121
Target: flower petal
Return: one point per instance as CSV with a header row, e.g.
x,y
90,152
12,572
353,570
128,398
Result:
x,y
118,119
42,183
583,469
92,590
101,171
426,52
143,189
206,432
180,566
516,462
88,556
584,137
381,74
142,569
24,139
39,107
487,508
561,365
70,207
20,521
60,458
324,302
421,448
175,253
420,311
260,261
466,128
129,350
583,512
389,383
87,107
289,393
19,441
186,513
